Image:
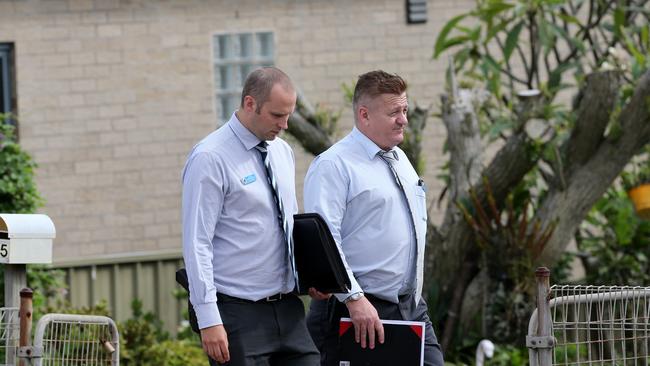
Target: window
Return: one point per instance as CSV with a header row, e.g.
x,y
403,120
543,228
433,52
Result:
x,y
235,56
7,99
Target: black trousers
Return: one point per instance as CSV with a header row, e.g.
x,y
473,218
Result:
x,y
267,333
324,317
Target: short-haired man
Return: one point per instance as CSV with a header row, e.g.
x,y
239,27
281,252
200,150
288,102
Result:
x,y
375,205
238,205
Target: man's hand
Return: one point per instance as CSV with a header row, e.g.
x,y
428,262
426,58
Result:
x,y
366,321
215,343
317,295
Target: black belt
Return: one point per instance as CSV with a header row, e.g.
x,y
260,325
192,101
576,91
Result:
x,y
277,297
400,298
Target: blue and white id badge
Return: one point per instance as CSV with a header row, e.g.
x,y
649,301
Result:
x,y
249,179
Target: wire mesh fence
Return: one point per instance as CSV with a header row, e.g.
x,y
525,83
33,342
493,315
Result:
x,y
9,331
75,340
590,325
596,325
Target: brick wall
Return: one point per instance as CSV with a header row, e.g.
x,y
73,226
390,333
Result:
x,y
112,94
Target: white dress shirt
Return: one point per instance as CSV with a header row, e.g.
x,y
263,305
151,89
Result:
x,y
355,192
232,240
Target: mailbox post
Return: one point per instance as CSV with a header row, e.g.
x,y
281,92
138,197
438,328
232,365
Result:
x,y
24,239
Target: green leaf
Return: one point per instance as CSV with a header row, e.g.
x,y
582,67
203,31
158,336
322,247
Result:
x,y
492,73
638,56
555,77
453,42
622,222
494,8
619,20
511,41
475,34
461,57
569,18
500,125
560,32
493,31
492,63
441,42
546,35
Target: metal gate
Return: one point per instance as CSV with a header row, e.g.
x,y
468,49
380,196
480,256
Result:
x,y
59,339
589,325
9,329
75,340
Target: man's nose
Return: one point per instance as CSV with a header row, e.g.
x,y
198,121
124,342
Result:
x,y
284,123
403,119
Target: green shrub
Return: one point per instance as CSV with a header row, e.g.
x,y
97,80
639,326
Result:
x,y
18,193
508,356
47,283
139,334
504,355
174,353
614,243
143,342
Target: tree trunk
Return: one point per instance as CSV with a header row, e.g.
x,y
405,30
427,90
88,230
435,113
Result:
x,y
304,127
466,158
594,162
587,182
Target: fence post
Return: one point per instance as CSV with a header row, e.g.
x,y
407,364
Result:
x,y
544,325
25,314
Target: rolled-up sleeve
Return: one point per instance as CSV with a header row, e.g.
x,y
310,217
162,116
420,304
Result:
x,y
203,196
325,192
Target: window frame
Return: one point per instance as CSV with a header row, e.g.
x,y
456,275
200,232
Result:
x,y
7,84
235,61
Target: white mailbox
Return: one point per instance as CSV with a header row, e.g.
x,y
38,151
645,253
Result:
x,y
26,238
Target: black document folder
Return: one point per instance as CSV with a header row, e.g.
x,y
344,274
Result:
x,y
403,345
181,279
318,261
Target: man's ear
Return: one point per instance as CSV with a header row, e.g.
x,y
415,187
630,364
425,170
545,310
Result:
x,y
362,114
249,103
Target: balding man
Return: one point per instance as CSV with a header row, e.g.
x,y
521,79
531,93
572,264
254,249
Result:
x,y
238,205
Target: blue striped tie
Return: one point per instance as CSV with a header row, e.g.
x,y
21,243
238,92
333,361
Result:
x,y
282,218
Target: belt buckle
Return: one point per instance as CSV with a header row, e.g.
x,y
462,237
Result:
x,y
273,298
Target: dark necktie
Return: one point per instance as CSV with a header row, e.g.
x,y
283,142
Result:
x,y
282,219
389,157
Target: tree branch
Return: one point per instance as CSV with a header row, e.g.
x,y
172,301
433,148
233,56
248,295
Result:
x,y
311,137
532,35
599,95
588,182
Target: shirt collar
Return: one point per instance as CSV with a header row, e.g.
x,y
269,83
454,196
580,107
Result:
x,y
247,138
368,146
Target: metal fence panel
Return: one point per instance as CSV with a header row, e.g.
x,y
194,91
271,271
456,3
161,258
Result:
x,y
150,279
598,325
9,332
76,340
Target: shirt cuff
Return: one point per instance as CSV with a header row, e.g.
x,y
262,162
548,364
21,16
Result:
x,y
207,315
355,289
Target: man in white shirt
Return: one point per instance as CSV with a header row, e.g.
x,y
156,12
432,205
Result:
x,y
375,205
238,205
